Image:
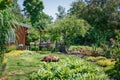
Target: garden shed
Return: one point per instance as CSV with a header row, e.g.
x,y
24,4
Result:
x,y
17,35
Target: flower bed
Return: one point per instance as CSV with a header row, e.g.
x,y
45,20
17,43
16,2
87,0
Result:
x,y
86,50
51,59
68,68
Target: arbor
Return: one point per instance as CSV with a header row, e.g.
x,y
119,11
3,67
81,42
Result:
x,y
67,28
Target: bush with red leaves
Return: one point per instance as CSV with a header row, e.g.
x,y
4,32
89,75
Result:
x,y
51,59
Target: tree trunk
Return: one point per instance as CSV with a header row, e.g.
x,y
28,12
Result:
x,y
1,60
0,66
40,47
63,48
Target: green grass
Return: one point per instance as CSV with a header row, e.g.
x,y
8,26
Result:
x,y
21,67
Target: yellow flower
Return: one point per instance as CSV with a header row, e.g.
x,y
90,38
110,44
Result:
x,y
4,61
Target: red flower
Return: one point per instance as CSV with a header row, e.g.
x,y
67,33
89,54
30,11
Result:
x,y
50,59
45,59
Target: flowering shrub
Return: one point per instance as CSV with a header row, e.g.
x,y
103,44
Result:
x,y
51,59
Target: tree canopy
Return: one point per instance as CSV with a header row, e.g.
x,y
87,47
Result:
x,y
68,28
34,10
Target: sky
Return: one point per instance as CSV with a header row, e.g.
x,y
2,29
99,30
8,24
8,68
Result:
x,y
51,6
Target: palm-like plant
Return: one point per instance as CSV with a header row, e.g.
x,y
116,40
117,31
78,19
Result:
x,y
6,21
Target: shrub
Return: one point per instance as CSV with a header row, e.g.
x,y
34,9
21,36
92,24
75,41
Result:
x,y
94,59
116,54
50,48
68,68
101,58
87,50
34,48
44,49
14,53
105,63
11,48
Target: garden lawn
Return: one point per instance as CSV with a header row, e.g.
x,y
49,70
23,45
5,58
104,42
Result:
x,y
28,66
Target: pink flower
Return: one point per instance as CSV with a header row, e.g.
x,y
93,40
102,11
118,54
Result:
x,y
112,39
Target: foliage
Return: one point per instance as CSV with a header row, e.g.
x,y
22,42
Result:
x,y
17,11
33,9
11,48
94,59
102,15
67,28
38,19
14,53
105,63
4,61
32,36
86,50
34,48
44,49
115,53
61,13
76,8
115,45
29,64
6,20
69,67
100,9
5,3
84,47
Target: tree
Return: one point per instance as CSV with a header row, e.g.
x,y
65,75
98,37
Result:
x,y
32,36
6,19
61,13
34,10
77,8
17,11
5,3
102,15
38,19
67,28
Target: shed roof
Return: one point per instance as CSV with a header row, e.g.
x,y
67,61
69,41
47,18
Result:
x,y
24,25
21,24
